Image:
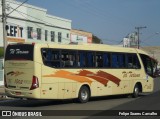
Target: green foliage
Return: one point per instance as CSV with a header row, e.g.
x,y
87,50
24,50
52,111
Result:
x,y
96,40
1,52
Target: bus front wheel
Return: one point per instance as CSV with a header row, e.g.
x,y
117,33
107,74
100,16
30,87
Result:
x,y
84,94
136,91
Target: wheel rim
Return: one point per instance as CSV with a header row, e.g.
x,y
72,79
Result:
x,y
136,91
84,95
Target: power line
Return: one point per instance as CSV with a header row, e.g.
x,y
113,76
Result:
x,y
17,7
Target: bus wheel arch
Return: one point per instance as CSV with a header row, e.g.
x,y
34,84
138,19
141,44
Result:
x,y
84,93
137,89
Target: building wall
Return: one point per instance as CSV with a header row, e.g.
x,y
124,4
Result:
x,y
32,16
81,36
35,17
131,40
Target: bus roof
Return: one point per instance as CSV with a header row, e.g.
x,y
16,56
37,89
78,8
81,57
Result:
x,y
89,47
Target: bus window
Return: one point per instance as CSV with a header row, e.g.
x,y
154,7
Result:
x,y
132,61
20,52
51,57
89,59
99,59
121,60
68,58
136,63
81,59
85,59
129,61
148,64
118,60
106,60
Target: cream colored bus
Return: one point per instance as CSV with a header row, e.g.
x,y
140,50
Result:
x,y
45,71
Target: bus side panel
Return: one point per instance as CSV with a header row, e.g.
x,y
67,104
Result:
x,y
57,87
49,85
148,84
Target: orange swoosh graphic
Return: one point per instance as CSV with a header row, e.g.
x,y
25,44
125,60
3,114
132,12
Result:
x,y
101,76
94,76
69,75
15,73
109,77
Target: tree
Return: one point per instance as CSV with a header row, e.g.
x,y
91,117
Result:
x,y
97,40
1,52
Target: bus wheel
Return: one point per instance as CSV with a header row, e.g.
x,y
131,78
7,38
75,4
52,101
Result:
x,y
84,94
136,91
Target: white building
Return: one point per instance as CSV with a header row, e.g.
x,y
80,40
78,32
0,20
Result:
x,y
29,23
32,24
131,40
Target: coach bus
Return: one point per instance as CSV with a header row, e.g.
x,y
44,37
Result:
x,y
58,71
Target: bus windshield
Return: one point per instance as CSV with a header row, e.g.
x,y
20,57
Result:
x,y
19,52
150,65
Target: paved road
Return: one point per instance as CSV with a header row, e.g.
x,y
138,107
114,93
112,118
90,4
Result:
x,y
145,101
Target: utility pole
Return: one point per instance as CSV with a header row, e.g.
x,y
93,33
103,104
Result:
x,y
4,26
138,29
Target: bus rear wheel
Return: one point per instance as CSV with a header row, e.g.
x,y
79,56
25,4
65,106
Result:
x,y
84,94
136,91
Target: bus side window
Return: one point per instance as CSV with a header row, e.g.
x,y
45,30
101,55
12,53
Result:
x,y
68,58
118,60
89,59
99,59
121,60
106,60
51,57
114,61
55,58
46,57
82,59
136,63
129,61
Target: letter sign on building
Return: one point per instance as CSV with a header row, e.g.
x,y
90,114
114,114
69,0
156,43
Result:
x,y
14,31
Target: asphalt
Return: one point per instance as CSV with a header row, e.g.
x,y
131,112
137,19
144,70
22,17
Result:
x,y
2,92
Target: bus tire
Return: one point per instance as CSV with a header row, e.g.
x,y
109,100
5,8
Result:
x,y
84,94
136,91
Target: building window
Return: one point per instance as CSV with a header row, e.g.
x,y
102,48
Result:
x,y
59,37
38,34
52,36
30,31
67,35
46,35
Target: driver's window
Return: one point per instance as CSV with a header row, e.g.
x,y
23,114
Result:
x,y
147,64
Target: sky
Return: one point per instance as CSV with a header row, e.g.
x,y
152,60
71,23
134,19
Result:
x,y
110,20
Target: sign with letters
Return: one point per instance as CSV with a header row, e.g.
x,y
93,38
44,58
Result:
x,y
15,33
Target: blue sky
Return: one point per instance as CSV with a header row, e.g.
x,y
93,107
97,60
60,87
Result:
x,y
110,20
